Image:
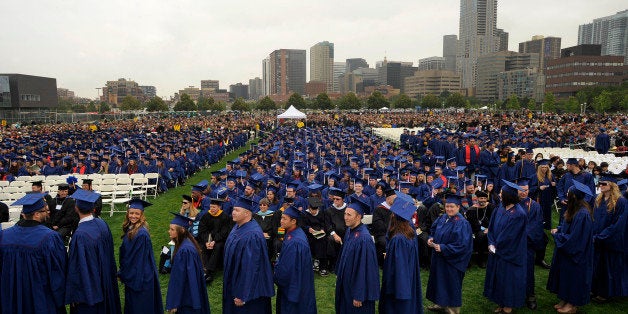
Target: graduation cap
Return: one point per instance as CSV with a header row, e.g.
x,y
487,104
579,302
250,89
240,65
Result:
x,y
181,220
358,205
405,185
63,186
580,190
437,183
622,184
314,187
314,202
468,182
88,181
216,201
245,203
85,200
523,181
137,203
187,198
453,199
292,211
608,178
572,161
336,192
510,187
481,194
452,159
37,183
31,202
403,208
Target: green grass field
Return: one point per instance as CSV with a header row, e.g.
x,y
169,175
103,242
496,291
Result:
x,y
158,217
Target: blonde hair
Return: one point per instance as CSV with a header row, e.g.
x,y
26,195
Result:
x,y
129,229
614,195
540,176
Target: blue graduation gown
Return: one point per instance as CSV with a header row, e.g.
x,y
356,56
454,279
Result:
x,y
505,280
536,238
572,264
247,271
138,273
401,280
357,273
294,276
609,275
186,290
32,269
454,234
92,281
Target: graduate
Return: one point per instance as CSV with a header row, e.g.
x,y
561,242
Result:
x,y
505,282
247,276
451,238
572,264
401,280
357,273
186,290
609,236
91,283
137,271
293,275
32,262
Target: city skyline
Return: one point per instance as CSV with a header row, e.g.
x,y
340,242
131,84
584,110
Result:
x,y
174,45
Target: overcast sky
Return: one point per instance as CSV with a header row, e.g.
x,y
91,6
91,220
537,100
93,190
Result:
x,y
174,44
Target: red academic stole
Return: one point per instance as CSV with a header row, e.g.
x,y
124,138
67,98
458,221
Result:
x,y
467,153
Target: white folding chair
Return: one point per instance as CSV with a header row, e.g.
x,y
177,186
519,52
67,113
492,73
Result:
x,y
152,186
4,184
139,187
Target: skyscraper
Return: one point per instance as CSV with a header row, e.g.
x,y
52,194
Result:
x,y
286,70
339,70
255,88
393,73
611,32
266,77
490,66
355,63
477,36
322,63
548,48
450,46
432,63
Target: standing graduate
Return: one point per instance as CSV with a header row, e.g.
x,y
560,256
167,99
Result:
x,y
91,283
293,275
505,282
357,273
247,277
451,238
401,280
609,236
186,290
32,262
572,265
138,272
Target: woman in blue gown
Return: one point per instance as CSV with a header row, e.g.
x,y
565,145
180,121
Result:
x,y
609,227
401,280
451,238
187,292
505,282
137,270
572,265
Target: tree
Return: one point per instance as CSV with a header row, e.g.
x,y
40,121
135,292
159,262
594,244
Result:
x,y
549,103
349,102
91,107
156,104
513,103
531,104
430,101
403,102
130,103
104,107
240,105
185,103
323,102
376,100
455,100
266,104
218,106
296,100
205,103
444,95
78,108
602,102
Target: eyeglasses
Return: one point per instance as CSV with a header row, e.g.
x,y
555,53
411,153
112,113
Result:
x,y
337,198
602,183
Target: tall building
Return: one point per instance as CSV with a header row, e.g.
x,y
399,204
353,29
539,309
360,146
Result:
x,y
355,63
393,73
115,91
477,37
210,85
149,91
503,39
432,63
266,76
582,66
491,65
64,93
339,70
239,90
611,32
523,83
287,69
548,48
256,88
450,46
432,82
322,63
20,91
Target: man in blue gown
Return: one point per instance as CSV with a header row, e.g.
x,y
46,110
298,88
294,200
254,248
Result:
x,y
91,283
247,277
602,142
293,270
32,262
357,273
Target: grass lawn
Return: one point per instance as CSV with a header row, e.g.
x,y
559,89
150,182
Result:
x,y
158,217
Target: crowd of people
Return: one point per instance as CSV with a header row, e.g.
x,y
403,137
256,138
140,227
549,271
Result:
x,y
332,198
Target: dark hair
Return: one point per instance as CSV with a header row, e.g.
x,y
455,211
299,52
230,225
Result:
x,y
400,226
509,198
574,204
182,234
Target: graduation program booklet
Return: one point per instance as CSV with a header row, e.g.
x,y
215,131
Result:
x,y
318,234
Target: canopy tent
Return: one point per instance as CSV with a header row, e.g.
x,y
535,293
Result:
x,y
292,113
